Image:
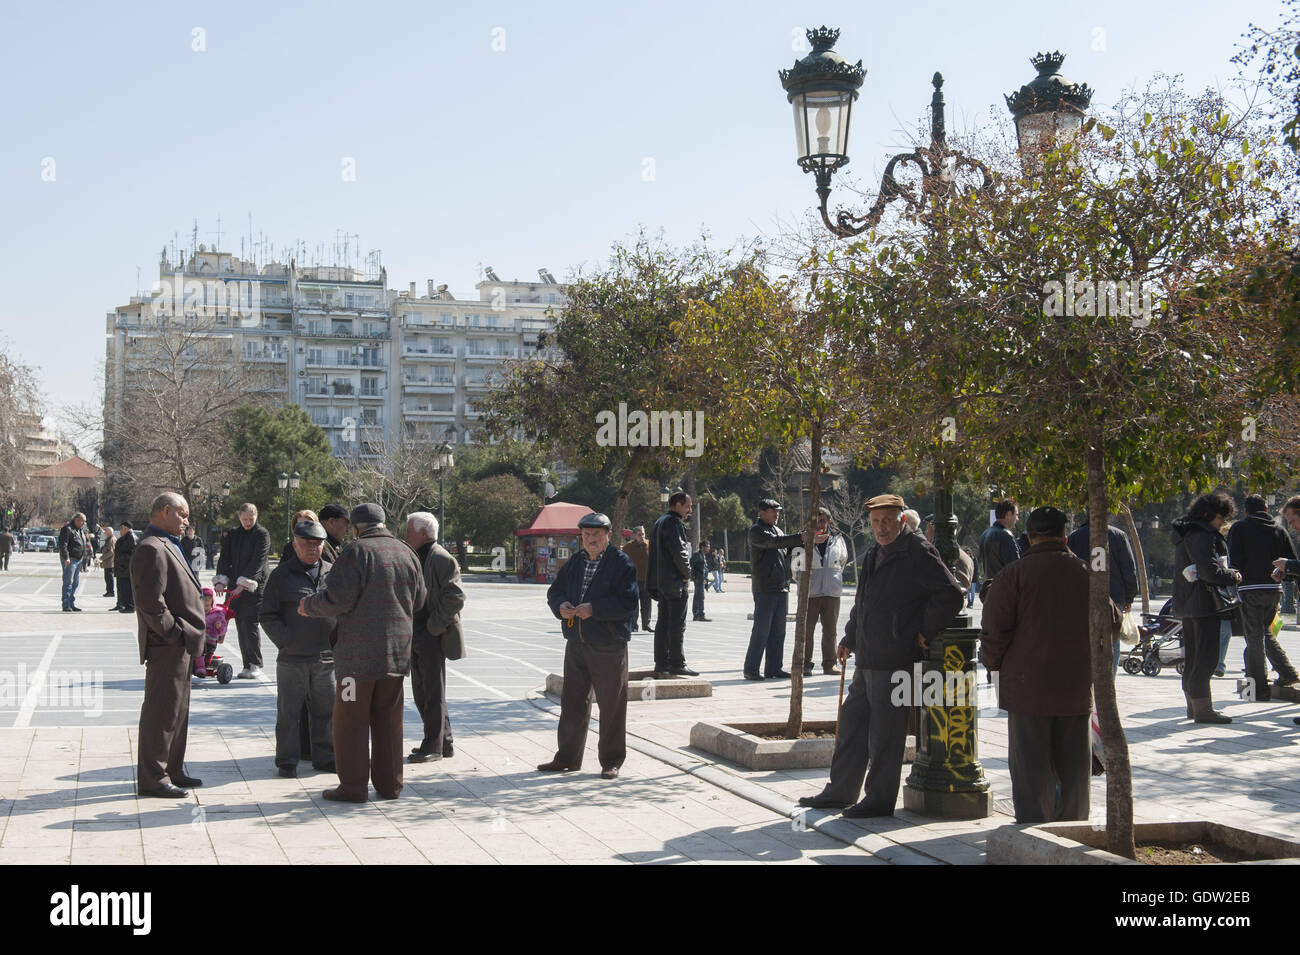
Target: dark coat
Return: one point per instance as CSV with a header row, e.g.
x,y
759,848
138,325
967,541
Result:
x,y
668,567
1197,543
1120,561
1253,544
911,593
373,591
998,548
699,565
438,617
769,552
613,596
293,634
244,554
73,543
6,542
639,553
122,551
168,599
1034,631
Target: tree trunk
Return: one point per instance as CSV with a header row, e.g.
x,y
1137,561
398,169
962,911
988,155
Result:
x,y
634,463
1119,775
1139,557
689,483
794,725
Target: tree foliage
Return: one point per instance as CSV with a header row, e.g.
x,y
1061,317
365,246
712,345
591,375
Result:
x,y
488,511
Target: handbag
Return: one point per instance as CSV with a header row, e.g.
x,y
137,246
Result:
x,y
1226,599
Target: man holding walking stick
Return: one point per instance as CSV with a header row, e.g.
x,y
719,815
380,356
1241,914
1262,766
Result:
x,y
905,597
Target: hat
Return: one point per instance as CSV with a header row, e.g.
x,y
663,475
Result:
x,y
1048,521
885,500
366,514
595,519
767,503
309,530
209,592
331,511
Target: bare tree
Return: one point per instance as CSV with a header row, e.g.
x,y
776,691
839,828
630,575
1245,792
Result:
x,y
848,507
403,478
21,408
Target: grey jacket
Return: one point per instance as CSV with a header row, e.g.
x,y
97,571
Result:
x,y
438,618
826,577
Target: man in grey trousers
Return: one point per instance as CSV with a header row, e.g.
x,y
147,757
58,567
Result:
x,y
905,597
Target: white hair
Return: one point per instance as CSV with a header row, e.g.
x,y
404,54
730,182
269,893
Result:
x,y
913,519
423,521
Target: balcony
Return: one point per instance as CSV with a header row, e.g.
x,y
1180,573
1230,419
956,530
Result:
x,y
275,356
503,324
475,384
429,354
379,394
339,421
429,386
418,411
492,356
309,331
352,361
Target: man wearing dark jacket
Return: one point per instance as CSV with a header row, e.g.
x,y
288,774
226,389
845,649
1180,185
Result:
x,y
1035,634
668,568
595,595
74,545
304,669
769,552
699,574
1120,563
436,619
122,551
372,591
335,521
1253,545
998,546
905,597
242,570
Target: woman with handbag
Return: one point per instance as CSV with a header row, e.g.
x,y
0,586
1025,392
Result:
x,y
1205,591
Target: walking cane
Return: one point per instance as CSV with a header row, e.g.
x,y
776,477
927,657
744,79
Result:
x,y
844,668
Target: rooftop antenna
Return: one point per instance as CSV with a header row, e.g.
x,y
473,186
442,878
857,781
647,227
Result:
x,y
194,238
218,248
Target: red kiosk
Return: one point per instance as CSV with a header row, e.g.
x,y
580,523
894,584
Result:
x,y
548,541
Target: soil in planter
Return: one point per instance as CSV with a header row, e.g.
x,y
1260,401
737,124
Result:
x,y
1188,853
806,734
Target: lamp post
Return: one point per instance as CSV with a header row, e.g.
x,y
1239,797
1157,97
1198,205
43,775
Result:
x,y
946,779
215,495
1049,109
288,483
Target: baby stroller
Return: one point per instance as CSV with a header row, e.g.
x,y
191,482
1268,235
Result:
x,y
210,664
1160,644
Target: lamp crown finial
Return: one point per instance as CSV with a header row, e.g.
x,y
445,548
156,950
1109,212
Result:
x,y
822,38
1048,63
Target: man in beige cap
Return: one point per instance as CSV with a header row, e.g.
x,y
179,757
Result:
x,y
905,597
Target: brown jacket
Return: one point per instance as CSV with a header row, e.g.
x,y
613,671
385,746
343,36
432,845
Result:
x,y
1035,633
639,551
168,600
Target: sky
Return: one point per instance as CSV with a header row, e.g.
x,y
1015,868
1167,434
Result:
x,y
459,136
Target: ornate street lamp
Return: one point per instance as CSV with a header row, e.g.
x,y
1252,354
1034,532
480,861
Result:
x,y
1049,109
664,495
288,483
443,461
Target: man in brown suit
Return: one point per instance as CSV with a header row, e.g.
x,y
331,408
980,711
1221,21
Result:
x,y
639,550
169,614
373,591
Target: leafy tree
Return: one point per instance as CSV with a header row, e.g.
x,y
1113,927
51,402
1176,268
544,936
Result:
x,y
490,510
285,440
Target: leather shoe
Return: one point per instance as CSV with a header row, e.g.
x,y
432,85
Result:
x,y
611,773
325,768
338,795
75,609
182,780
830,671
661,675
683,671
705,619
821,802
554,767
808,672
752,676
779,675
861,810
419,757
166,791
288,772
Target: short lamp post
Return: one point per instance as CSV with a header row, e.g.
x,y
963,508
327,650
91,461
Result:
x,y
443,461
216,499
288,483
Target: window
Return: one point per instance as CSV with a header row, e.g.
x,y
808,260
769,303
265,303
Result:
x,y
341,354
369,416
370,357
315,356
369,386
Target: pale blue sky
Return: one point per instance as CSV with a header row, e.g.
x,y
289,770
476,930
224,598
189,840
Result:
x,y
518,158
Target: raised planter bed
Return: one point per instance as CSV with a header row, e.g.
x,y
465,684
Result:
x,y
1076,843
641,685
743,744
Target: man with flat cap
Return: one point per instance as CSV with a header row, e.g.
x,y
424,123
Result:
x,y
595,595
906,596
668,569
170,622
372,591
305,665
770,583
1034,632
335,521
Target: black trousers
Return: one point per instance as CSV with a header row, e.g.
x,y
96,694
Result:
x,y
873,733
250,640
599,671
1049,755
645,606
697,606
304,682
108,582
429,688
670,632
125,599
4,560
1201,655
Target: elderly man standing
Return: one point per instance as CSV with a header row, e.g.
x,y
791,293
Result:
x,y
244,552
668,569
304,668
373,590
905,597
770,582
825,587
74,544
595,594
1035,634
170,625
436,623
335,521
639,551
6,548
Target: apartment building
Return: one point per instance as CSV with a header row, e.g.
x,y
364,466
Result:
x,y
368,364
